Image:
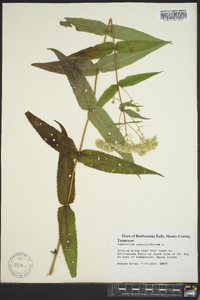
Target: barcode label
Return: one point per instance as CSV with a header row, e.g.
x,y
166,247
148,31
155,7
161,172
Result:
x,y
167,15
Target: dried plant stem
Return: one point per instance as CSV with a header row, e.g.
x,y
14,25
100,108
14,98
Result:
x,y
95,83
136,131
80,148
73,171
70,189
54,258
117,81
138,128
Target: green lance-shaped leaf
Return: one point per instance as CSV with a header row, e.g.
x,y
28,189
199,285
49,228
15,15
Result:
x,y
100,28
80,86
108,129
64,176
111,164
134,79
68,237
85,65
57,140
86,25
107,95
107,48
95,52
127,33
136,46
128,81
134,115
86,99
128,104
107,63
63,130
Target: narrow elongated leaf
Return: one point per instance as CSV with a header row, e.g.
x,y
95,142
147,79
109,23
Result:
x,y
85,65
53,137
86,25
107,48
135,79
107,95
95,52
100,28
107,128
64,176
127,33
128,81
129,104
64,173
107,63
81,88
86,99
68,237
136,46
132,122
134,115
63,130
112,164
53,66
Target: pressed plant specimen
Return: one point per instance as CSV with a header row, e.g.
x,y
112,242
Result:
x,y
123,136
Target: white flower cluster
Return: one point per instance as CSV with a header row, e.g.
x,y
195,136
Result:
x,y
141,148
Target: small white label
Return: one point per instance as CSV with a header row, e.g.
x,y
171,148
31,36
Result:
x,y
146,254
167,15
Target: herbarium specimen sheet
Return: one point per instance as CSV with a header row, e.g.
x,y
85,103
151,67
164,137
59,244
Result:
x,y
99,150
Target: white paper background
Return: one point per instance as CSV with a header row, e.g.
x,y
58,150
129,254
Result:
x,y
29,199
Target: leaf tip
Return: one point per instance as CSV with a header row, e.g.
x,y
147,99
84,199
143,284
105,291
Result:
x,y
161,175
51,49
28,114
63,130
65,23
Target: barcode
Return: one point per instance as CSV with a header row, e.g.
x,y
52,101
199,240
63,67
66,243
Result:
x,y
173,15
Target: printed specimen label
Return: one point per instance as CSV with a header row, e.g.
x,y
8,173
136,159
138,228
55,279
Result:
x,y
150,253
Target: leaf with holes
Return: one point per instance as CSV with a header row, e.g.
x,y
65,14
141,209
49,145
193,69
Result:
x,y
85,65
68,237
111,164
86,99
80,86
57,140
64,177
108,129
